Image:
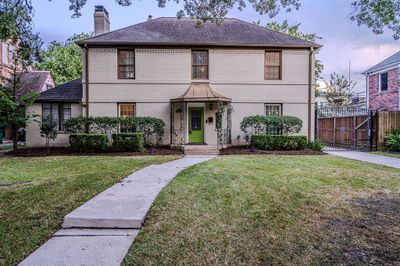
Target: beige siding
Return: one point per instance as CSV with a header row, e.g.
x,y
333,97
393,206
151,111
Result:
x,y
162,74
33,138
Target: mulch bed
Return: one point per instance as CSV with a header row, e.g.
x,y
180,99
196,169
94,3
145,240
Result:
x,y
40,152
245,150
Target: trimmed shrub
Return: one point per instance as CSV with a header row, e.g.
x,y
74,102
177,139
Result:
x,y
393,140
128,142
152,128
279,142
81,142
315,145
262,124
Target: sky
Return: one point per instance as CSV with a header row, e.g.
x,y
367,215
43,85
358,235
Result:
x,y
343,41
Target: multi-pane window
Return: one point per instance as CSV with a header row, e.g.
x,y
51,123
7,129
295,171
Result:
x,y
59,111
273,65
273,109
383,82
126,64
126,110
199,64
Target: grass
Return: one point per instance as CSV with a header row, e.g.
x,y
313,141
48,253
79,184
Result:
x,y
30,214
389,154
290,210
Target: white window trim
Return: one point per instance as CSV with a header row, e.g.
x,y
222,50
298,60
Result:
x,y
273,104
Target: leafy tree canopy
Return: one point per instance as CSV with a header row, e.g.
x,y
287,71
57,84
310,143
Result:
x,y
378,15
63,59
293,30
16,25
339,90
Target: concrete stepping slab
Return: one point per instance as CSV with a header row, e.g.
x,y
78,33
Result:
x,y
125,205
85,248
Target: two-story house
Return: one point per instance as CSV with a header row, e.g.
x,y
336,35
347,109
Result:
x,y
383,81
183,73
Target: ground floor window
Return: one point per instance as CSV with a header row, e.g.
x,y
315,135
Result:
x,y
59,111
126,110
273,109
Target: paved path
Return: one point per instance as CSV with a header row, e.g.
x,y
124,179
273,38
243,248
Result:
x,y
368,157
101,231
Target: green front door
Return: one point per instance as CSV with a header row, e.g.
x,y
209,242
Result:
x,y
196,124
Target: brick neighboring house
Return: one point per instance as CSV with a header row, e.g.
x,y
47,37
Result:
x,y
383,81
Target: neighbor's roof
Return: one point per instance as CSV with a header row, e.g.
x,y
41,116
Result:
x,y
185,31
392,60
68,92
33,81
201,92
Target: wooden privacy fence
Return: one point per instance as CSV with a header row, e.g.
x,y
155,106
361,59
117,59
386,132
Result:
x,y
358,129
386,121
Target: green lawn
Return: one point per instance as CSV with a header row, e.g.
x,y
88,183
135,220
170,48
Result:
x,y
30,214
262,210
389,154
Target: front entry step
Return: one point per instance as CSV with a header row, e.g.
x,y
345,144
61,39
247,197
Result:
x,y
201,150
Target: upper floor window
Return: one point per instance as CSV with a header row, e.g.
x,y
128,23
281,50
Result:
x,y
273,65
60,112
383,82
199,64
10,53
4,53
126,64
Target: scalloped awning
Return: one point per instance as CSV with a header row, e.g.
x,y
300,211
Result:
x,y
201,92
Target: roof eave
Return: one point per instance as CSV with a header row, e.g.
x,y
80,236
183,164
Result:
x,y
260,45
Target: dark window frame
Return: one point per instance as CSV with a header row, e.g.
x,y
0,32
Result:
x,y
280,64
193,65
121,65
387,82
61,111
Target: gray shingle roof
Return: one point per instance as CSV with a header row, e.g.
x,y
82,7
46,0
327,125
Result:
x,y
68,92
33,81
394,59
185,31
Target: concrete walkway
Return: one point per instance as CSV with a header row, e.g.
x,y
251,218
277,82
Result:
x,y
101,231
368,157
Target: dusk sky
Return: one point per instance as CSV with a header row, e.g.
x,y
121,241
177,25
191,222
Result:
x,y
342,39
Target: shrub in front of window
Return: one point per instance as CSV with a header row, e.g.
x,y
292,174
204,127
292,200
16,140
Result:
x,y
82,142
261,124
79,124
128,142
152,128
278,142
393,140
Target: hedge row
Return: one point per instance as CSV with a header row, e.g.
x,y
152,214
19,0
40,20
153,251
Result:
x,y
82,142
262,124
279,142
152,128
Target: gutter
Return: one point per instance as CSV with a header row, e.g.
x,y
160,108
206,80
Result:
x,y
87,78
310,84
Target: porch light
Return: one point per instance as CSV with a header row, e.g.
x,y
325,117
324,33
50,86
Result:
x,y
178,111
211,106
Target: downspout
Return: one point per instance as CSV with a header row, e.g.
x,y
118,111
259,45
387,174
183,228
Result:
x,y
367,89
87,79
310,85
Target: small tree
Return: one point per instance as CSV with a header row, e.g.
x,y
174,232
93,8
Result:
x,y
48,130
339,90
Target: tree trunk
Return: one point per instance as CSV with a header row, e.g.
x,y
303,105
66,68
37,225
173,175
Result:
x,y
47,146
14,132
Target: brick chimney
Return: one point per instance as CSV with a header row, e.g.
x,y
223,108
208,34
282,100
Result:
x,y
101,20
